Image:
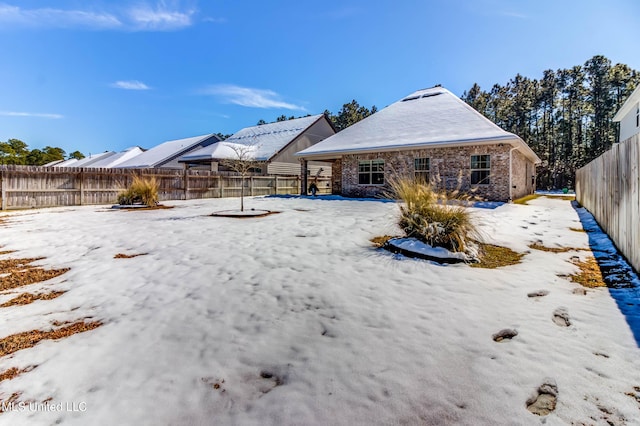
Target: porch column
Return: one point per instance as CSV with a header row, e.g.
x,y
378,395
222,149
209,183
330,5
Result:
x,y
304,165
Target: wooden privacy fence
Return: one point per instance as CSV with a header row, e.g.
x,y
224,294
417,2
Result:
x,y
609,187
31,186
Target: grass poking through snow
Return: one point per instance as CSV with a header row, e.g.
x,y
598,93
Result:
x,y
381,240
128,256
525,200
27,298
14,372
538,246
20,272
28,339
492,257
589,275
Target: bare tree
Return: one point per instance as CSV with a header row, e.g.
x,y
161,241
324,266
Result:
x,y
242,162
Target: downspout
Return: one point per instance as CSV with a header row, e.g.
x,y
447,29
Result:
x,y
511,173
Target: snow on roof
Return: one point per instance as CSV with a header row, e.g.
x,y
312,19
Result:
x,y
167,151
271,138
432,116
66,163
85,162
220,150
53,163
631,101
117,158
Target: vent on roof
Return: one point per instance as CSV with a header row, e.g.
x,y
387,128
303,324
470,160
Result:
x,y
410,98
429,95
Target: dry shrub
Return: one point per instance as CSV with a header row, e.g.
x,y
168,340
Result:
x,y
19,272
28,339
437,218
141,191
27,298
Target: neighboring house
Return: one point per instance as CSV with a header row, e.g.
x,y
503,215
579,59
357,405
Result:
x,y
629,116
433,135
86,161
274,144
166,154
117,158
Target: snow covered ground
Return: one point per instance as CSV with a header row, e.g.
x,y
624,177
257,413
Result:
x,y
294,318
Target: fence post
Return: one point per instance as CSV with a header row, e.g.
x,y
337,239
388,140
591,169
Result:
x,y
4,190
81,188
221,184
276,186
186,182
251,182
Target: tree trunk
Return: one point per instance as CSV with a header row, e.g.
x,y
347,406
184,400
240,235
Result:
x,y
242,194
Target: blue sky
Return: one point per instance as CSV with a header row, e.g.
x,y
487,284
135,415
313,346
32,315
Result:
x,y
105,75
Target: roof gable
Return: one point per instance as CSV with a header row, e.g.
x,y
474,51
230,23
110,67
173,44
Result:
x,y
266,140
167,151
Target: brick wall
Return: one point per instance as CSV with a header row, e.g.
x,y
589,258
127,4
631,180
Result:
x,y
450,169
336,177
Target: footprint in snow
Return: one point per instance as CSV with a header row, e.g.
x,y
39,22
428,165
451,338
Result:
x,y
561,317
539,293
544,400
506,334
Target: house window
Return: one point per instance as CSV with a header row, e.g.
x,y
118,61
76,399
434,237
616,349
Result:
x,y
480,169
421,169
371,172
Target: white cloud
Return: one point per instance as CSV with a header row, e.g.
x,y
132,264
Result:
x,y
158,16
130,85
30,114
56,18
249,97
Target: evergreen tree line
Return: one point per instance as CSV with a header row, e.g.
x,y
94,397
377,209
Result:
x,y
15,151
566,117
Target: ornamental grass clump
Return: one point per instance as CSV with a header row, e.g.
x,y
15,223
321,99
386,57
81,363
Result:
x,y
434,218
141,191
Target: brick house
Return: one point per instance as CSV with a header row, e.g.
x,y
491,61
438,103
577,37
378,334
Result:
x,y
433,135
